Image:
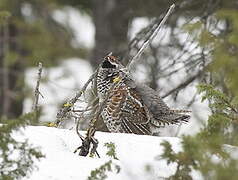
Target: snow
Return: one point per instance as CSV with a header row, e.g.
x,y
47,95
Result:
x,y
135,153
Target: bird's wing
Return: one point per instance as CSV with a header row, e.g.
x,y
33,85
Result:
x,y
128,108
151,98
169,118
130,127
135,115
161,113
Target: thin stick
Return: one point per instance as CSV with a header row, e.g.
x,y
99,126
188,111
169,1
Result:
x,y
81,115
152,36
37,92
86,142
71,102
183,84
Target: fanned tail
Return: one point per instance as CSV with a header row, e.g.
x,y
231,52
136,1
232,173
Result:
x,y
167,119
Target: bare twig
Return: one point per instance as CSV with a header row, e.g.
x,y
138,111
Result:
x,y
92,106
86,142
152,35
80,111
37,92
62,113
183,84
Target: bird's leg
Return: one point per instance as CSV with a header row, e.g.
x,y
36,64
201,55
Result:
x,y
93,140
84,148
86,143
94,148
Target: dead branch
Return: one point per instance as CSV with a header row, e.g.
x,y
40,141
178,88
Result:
x,y
37,92
86,142
183,84
156,26
91,107
63,111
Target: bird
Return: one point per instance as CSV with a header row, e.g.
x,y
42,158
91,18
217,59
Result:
x,y
131,107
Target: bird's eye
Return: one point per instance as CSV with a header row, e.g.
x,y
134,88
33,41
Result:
x,y
107,63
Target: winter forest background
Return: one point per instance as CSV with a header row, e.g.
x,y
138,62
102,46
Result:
x,y
192,63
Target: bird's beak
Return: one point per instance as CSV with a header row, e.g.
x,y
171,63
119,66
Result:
x,y
123,69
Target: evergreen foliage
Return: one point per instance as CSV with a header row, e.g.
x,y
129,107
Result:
x,y
208,151
16,156
39,34
100,173
111,150
30,32
4,15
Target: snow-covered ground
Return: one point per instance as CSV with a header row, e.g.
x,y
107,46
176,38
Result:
x,y
135,153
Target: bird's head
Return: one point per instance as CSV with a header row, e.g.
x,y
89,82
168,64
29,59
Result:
x,y
111,62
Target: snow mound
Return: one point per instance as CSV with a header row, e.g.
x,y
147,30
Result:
x,y
135,153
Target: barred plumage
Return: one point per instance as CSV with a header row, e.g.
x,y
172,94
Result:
x,y
131,107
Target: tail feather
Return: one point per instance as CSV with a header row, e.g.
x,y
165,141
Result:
x,y
130,127
180,111
170,119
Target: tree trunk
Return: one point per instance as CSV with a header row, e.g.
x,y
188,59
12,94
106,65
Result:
x,y
111,19
12,74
